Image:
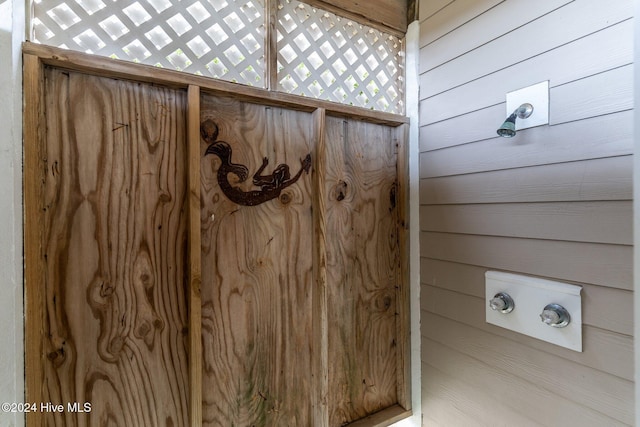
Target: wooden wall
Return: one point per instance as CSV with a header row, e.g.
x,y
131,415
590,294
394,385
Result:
x,y
160,299
555,201
113,240
388,15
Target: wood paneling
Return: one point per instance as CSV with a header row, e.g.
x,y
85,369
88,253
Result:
x,y
190,307
35,172
115,320
362,268
108,67
257,273
195,259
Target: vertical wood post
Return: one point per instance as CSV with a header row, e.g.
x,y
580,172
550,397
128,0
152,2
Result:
x,y
403,299
34,274
195,266
320,354
271,44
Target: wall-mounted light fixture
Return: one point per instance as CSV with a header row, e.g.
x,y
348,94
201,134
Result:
x,y
508,128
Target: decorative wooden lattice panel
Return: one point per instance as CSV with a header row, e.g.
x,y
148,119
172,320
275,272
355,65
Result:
x,y
215,38
328,57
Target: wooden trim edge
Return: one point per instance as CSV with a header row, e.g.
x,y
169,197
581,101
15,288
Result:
x,y
404,281
195,263
320,354
34,264
115,68
384,418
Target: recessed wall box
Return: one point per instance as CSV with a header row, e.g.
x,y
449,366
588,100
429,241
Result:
x,y
544,309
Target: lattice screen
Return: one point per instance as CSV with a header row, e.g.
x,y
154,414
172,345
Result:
x,y
216,38
325,56
320,54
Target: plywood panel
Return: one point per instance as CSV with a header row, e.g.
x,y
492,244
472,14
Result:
x,y
256,270
603,392
102,66
600,222
551,30
601,179
562,260
115,253
362,268
526,398
598,137
585,57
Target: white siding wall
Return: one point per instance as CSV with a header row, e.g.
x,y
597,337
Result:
x,y
555,201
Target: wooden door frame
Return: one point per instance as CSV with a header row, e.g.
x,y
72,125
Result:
x,y
36,57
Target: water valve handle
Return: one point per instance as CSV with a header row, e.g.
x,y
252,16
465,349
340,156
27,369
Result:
x,y
502,302
555,315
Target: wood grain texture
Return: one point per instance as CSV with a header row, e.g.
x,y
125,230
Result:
x,y
389,16
257,274
35,266
362,268
195,258
403,319
320,354
107,67
115,251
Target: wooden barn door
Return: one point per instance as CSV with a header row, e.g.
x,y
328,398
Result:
x,y
195,259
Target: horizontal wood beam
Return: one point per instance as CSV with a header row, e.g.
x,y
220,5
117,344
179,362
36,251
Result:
x,y
115,68
389,16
